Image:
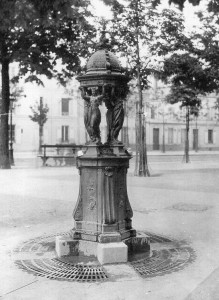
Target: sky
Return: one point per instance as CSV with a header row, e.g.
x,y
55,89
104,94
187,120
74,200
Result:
x,y
102,10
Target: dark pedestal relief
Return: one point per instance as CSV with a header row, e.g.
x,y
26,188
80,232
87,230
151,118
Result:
x,y
103,212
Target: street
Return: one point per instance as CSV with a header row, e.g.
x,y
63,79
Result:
x,y
179,201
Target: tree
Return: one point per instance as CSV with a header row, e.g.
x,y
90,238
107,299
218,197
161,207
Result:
x,y
39,116
131,29
143,35
188,98
40,36
189,65
179,3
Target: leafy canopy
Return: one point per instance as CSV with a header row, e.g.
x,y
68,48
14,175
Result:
x,y
133,29
39,113
39,34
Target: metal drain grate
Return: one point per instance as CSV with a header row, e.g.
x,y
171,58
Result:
x,y
39,244
168,255
164,261
154,238
56,269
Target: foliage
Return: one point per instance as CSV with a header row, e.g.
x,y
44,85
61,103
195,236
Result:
x,y
45,38
186,60
207,40
131,30
40,112
186,96
38,34
216,106
179,3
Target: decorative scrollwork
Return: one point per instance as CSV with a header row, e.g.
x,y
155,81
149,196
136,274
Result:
x,y
108,171
92,203
106,151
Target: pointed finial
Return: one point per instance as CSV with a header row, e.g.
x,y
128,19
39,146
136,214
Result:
x,y
104,41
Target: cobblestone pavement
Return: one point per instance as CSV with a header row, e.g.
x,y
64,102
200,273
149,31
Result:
x,y
178,206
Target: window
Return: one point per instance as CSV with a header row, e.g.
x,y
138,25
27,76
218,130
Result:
x,y
170,136
183,136
210,136
11,133
152,112
65,107
65,136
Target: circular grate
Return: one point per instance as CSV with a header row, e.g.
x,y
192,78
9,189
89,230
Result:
x,y
154,238
164,261
37,257
56,269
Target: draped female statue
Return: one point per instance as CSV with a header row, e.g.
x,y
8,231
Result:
x,y
92,116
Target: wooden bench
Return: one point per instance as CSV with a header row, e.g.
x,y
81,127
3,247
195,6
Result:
x,y
64,154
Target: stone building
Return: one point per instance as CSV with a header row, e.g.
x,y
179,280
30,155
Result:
x,y
165,123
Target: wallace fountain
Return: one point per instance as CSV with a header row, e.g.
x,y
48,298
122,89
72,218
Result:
x,y
103,214
102,245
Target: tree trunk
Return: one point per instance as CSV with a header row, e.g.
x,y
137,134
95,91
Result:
x,y
187,160
141,168
145,162
40,138
136,141
4,150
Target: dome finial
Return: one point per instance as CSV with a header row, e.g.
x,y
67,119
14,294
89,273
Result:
x,y
104,41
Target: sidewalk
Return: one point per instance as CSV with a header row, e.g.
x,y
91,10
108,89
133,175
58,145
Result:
x,y
31,160
180,202
33,154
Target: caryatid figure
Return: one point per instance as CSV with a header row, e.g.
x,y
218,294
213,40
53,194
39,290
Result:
x,y
92,115
114,115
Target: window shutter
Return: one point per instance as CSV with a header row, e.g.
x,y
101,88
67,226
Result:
x,y
59,108
59,135
166,136
179,136
214,137
71,108
206,137
71,135
175,136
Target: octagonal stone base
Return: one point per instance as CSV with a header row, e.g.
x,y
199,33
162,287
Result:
x,y
105,253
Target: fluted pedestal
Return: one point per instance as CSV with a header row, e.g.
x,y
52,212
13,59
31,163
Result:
x,y
102,215
103,212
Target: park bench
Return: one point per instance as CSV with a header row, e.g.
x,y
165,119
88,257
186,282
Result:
x,y
62,154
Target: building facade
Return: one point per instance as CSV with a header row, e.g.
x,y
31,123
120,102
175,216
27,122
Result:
x,y
165,123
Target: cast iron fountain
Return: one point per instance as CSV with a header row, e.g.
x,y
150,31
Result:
x,y
103,230
103,225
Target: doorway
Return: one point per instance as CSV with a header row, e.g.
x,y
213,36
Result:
x,y
156,145
195,139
